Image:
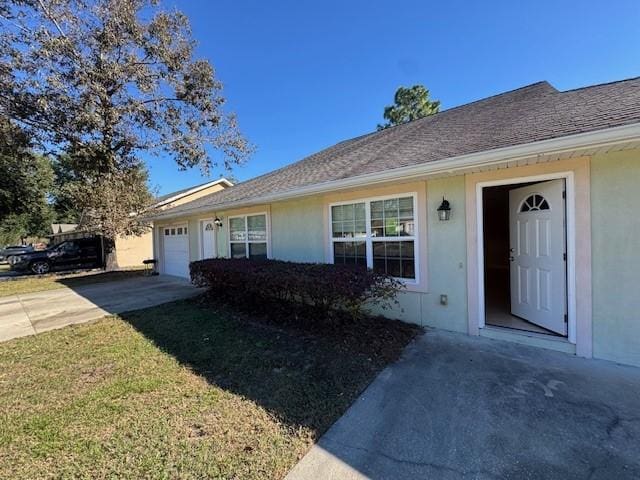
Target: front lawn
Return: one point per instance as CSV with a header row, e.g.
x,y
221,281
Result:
x,y
33,283
180,391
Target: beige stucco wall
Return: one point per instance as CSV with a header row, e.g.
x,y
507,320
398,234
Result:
x,y
132,250
615,204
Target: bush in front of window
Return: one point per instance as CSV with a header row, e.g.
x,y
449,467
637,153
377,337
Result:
x,y
327,288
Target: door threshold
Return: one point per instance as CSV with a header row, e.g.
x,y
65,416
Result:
x,y
534,339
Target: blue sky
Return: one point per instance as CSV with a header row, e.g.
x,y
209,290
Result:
x,y
303,75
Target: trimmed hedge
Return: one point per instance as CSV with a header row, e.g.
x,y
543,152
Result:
x,y
322,286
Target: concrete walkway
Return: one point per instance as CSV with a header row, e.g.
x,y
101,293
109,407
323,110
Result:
x,y
32,313
459,407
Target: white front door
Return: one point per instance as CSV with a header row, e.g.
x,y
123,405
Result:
x,y
207,233
537,254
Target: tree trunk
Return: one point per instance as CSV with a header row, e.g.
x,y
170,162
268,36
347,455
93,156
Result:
x,y
109,254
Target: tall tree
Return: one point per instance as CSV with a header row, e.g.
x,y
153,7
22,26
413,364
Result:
x,y
25,183
102,81
24,177
410,104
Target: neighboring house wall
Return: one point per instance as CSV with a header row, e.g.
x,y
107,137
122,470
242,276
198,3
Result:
x,y
299,231
132,250
615,203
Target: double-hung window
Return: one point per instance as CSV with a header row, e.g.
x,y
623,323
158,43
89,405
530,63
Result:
x,y
378,233
248,236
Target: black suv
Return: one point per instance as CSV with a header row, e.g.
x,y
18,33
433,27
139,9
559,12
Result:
x,y
68,255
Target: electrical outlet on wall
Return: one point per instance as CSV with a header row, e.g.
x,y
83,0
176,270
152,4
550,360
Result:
x,y
444,299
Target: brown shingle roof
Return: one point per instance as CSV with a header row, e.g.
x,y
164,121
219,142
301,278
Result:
x,y
529,114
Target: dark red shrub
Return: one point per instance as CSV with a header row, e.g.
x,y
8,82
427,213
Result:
x,y
322,286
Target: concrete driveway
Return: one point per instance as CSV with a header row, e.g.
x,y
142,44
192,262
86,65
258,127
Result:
x,y
32,313
460,407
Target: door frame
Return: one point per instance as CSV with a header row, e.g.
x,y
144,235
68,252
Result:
x,y
201,241
570,227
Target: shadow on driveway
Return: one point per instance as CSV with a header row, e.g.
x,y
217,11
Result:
x,y
83,301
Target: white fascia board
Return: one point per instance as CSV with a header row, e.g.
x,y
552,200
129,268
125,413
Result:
x,y
596,139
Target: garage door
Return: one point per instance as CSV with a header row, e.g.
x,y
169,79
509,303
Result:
x,y
176,250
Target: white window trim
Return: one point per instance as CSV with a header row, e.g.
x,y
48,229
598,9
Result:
x,y
247,241
369,239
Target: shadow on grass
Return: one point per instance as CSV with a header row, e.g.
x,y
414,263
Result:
x,y
302,376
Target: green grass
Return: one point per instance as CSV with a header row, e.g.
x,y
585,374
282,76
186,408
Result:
x,y
179,391
32,283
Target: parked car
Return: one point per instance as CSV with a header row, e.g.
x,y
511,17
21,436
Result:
x,y
68,255
7,252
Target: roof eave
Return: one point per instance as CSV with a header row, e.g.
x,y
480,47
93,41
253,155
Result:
x,y
594,139
220,181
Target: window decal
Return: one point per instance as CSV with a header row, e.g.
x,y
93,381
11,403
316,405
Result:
x,y
534,203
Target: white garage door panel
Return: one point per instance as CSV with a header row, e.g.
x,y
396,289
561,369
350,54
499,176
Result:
x,y
176,252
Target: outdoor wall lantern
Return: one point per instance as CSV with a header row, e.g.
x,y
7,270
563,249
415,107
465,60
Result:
x,y
444,210
217,222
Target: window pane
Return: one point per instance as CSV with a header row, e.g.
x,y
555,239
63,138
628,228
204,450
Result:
x,y
406,207
377,229
238,250
350,253
179,230
166,231
377,209
394,258
336,213
390,226
407,228
258,251
257,226
391,207
336,229
236,229
360,214
348,212
349,221
185,230
392,218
